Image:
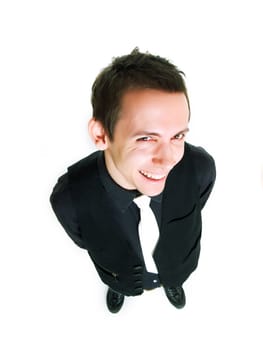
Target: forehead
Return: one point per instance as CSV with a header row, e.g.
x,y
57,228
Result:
x,y
153,108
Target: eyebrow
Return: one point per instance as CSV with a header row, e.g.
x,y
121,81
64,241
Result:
x,y
147,133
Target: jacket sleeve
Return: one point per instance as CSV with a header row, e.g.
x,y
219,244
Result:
x,y
206,174
61,203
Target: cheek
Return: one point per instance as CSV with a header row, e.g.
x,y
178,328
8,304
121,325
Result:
x,y
137,156
129,162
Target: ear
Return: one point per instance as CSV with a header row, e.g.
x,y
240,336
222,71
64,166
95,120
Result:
x,y
98,134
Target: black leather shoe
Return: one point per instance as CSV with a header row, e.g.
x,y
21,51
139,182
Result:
x,y
114,301
176,296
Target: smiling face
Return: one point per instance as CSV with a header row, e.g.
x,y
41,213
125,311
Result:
x,y
148,139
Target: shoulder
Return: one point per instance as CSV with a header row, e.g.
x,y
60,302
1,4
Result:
x,y
84,174
203,161
199,154
86,162
60,195
60,189
205,168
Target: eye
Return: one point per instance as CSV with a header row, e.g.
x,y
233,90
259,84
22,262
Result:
x,y
179,136
145,138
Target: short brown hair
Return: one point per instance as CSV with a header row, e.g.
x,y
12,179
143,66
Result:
x,y
131,72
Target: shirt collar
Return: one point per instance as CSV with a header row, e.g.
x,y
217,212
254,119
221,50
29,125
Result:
x,y
121,196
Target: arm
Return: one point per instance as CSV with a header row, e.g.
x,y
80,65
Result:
x,y
62,205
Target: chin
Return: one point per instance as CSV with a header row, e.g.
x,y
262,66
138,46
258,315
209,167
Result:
x,y
152,190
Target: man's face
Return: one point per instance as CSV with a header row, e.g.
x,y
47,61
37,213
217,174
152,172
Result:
x,y
148,139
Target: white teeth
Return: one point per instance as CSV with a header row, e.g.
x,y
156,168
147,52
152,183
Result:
x,y
152,176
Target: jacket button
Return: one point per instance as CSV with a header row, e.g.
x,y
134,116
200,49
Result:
x,y
138,283
137,268
137,275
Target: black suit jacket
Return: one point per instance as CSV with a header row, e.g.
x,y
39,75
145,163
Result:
x,y
107,238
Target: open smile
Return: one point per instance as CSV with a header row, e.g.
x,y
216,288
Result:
x,y
151,176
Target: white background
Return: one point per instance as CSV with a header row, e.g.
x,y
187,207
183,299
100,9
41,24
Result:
x,y
51,51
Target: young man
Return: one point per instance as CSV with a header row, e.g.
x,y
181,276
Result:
x,y
140,119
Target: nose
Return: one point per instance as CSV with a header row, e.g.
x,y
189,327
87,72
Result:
x,y
166,154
